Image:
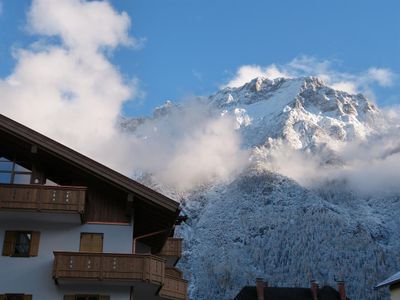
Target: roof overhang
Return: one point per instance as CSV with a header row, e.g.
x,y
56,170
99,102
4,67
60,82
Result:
x,y
155,211
89,165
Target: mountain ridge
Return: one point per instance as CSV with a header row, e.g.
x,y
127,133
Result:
x,y
293,105
260,223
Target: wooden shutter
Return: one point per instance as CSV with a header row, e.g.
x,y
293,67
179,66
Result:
x,y
34,247
9,243
91,242
104,297
69,297
27,297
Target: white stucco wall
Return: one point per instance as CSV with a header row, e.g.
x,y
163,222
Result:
x,y
395,293
33,275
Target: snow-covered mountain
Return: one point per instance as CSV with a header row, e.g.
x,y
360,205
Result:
x,y
265,225
290,230
302,111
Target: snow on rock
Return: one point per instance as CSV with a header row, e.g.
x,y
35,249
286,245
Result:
x,y
302,111
263,224
266,225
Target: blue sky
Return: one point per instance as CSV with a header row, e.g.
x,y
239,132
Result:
x,y
69,68
194,47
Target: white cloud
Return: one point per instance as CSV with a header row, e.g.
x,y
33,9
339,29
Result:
x,y
347,86
189,146
324,69
82,25
249,72
70,91
369,166
383,76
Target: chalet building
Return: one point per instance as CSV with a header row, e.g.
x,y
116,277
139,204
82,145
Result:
x,y
74,229
393,282
262,292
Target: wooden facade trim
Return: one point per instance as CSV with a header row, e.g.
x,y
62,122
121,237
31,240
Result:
x,y
109,223
91,242
172,247
89,165
118,268
174,288
65,199
174,272
24,296
110,267
172,250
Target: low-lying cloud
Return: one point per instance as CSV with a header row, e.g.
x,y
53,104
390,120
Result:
x,y
367,166
189,146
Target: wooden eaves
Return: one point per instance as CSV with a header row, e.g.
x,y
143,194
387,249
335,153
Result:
x,y
89,165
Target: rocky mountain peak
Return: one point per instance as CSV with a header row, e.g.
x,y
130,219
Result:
x,y
264,224
261,223
304,111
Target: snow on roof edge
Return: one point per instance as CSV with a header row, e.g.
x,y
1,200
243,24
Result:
x,y
392,279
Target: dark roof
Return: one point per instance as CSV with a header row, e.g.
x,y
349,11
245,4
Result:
x,y
89,165
285,293
153,212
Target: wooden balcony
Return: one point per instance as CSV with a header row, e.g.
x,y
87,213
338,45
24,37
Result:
x,y
172,250
120,269
175,287
41,198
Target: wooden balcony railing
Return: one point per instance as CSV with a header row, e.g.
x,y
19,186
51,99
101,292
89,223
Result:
x,y
172,247
42,198
109,267
174,288
174,272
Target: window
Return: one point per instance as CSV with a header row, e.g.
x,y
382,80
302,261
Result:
x,y
86,297
21,243
13,172
91,242
50,183
15,297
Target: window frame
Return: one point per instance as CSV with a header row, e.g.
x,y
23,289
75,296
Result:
x,y
17,234
10,243
13,172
